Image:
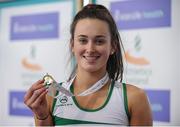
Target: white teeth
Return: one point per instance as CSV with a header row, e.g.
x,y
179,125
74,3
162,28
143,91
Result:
x,y
91,58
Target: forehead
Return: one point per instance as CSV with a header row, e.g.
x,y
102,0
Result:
x,y
90,26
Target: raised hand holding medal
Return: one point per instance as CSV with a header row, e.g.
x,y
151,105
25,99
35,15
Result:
x,y
53,86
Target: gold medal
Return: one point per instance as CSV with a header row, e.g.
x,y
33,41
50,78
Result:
x,y
48,80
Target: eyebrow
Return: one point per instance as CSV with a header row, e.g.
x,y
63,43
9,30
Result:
x,y
97,36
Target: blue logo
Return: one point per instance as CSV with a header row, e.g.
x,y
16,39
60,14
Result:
x,y
160,104
136,14
37,26
16,104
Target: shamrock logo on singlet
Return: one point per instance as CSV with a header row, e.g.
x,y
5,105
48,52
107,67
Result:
x,y
64,99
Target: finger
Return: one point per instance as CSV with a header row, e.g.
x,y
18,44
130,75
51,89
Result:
x,y
40,98
35,86
35,96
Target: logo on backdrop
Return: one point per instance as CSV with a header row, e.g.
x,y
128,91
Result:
x,y
160,104
34,26
31,65
137,47
33,69
16,104
136,14
139,69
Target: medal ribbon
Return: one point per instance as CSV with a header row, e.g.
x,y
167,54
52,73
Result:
x,y
95,87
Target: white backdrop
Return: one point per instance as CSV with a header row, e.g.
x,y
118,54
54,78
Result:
x,y
158,46
25,60
29,49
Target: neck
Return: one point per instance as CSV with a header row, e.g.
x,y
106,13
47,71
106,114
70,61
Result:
x,y
85,80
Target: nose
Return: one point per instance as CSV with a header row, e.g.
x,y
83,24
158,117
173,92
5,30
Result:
x,y
90,47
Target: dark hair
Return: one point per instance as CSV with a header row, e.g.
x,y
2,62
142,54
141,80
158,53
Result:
x,y
115,62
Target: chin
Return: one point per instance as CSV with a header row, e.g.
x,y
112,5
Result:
x,y
92,69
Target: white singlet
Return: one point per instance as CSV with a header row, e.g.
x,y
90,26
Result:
x,y
114,111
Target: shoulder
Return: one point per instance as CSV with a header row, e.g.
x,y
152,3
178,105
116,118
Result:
x,y
136,96
134,91
138,105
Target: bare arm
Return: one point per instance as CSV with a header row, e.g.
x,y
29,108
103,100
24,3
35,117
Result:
x,y
48,119
139,107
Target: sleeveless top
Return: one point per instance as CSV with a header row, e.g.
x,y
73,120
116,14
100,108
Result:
x,y
114,111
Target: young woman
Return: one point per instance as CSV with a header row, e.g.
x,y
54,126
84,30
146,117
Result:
x,y
96,45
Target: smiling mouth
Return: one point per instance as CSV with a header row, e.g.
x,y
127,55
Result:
x,y
91,58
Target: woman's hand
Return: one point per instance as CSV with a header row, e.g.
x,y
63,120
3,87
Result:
x,y
35,99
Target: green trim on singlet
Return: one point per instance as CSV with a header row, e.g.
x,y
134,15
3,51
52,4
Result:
x,y
125,100
54,101
64,121
93,110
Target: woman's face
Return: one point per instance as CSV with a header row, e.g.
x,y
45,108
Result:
x,y
92,44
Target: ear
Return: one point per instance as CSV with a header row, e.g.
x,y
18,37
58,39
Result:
x,y
112,51
113,48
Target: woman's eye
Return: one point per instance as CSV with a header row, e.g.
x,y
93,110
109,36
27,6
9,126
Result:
x,y
83,41
100,41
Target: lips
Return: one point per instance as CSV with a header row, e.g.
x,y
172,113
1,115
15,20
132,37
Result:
x,y
91,58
